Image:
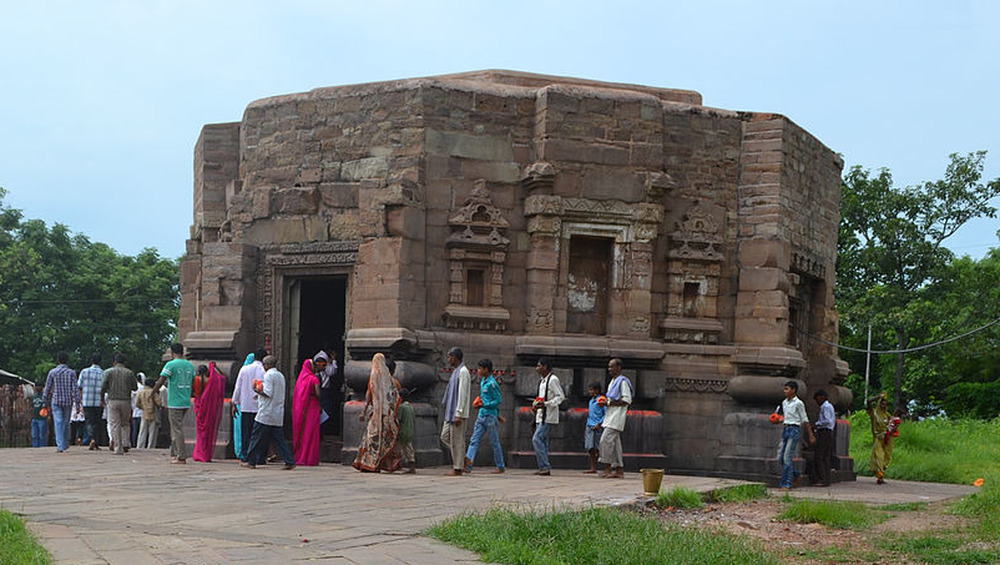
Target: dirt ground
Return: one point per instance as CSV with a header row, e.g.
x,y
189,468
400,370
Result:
x,y
797,543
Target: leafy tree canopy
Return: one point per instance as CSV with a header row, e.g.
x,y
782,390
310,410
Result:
x,y
892,261
61,291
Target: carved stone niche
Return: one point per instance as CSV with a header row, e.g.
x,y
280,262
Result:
x,y
694,265
477,249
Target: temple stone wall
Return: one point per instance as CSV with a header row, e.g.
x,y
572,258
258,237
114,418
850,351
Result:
x,y
519,216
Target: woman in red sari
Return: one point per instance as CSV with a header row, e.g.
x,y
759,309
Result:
x,y
378,451
208,412
305,416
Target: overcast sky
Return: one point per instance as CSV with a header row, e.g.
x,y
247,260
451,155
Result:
x,y
102,101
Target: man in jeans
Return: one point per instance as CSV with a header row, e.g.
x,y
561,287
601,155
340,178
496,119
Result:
x,y
269,424
795,420
486,422
546,407
61,392
177,374
90,382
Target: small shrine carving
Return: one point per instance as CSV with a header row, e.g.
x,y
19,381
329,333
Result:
x,y
693,269
477,250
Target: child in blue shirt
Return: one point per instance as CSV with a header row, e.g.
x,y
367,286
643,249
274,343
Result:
x,y
489,402
592,435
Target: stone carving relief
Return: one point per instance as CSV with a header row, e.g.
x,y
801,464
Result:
x,y
694,260
477,249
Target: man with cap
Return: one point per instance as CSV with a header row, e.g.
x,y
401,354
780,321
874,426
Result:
x,y
546,407
456,410
823,452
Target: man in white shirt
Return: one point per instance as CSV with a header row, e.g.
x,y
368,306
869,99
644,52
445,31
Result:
x,y
796,419
269,423
245,399
456,411
619,398
546,407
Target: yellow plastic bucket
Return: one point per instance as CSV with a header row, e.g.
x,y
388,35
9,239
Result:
x,y
651,480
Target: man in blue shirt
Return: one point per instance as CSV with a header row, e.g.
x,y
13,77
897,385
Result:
x,y
823,459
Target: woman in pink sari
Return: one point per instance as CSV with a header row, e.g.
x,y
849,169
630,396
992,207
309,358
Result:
x,y
305,416
208,413
378,450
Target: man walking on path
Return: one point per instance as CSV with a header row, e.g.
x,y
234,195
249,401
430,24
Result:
x,y
269,423
177,374
61,392
90,383
456,410
119,383
546,407
245,400
619,398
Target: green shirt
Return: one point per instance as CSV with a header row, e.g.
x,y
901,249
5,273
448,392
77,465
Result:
x,y
179,374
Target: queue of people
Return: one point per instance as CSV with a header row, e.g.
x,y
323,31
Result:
x,y
132,404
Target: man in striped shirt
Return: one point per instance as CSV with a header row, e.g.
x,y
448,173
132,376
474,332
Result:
x,y
90,382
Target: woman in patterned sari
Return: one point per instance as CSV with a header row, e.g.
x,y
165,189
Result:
x,y
305,416
878,412
378,451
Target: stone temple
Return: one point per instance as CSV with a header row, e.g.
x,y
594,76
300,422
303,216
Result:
x,y
518,216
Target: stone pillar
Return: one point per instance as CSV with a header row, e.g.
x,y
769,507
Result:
x,y
542,211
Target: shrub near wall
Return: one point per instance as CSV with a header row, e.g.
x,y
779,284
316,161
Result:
x,y
973,400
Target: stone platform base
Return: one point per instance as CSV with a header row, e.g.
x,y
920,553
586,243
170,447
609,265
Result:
x,y
580,460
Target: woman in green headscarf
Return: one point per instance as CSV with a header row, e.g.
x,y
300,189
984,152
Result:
x,y
882,439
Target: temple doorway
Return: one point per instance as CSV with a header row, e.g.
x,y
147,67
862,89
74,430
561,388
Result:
x,y
318,321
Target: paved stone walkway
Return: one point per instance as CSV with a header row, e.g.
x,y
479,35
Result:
x,y
98,508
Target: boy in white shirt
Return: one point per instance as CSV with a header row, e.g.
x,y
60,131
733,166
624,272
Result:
x,y
796,420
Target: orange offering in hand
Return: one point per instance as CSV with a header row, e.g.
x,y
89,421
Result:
x,y
777,418
602,399
44,412
257,385
478,402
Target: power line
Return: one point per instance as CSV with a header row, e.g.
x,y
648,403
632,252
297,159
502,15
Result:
x,y
909,350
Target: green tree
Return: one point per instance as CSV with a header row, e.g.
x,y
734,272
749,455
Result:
x,y
60,291
891,250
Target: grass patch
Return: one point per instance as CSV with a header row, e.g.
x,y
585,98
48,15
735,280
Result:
x,y
680,497
833,514
598,535
941,548
17,545
940,450
904,507
740,493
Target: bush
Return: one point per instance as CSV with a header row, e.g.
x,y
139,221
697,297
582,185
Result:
x,y
973,400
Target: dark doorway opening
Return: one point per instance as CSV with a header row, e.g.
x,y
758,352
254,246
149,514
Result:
x,y
322,310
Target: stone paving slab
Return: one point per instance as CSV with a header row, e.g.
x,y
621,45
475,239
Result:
x,y
89,507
